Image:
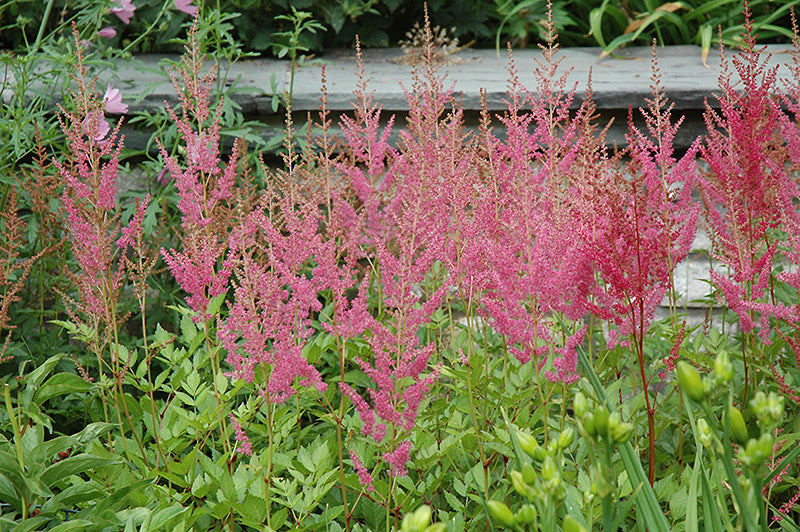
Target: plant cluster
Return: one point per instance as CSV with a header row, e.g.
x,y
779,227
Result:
x,y
262,26
451,332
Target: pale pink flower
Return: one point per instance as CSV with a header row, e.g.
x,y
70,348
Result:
x,y
187,7
112,101
96,126
107,33
124,10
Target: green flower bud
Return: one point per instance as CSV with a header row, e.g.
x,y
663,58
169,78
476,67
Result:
x,y
566,438
526,514
539,454
588,425
765,442
756,452
418,520
551,477
614,419
437,527
738,427
571,525
579,406
528,473
552,447
622,432
527,443
601,421
704,433
690,381
501,513
768,409
520,486
723,367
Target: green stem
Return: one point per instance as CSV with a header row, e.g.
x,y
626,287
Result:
x,y
48,8
14,426
148,30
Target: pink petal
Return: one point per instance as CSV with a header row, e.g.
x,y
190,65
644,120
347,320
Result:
x,y
107,33
112,101
187,7
124,10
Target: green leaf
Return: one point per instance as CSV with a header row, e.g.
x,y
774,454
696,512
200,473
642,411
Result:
x,y
93,431
38,375
108,502
61,384
32,523
165,517
74,524
72,466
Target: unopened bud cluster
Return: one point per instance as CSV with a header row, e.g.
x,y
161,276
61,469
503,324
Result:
x,y
420,521
538,481
600,424
768,409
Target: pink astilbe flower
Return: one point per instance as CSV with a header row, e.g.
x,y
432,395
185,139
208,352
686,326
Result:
x,y
245,446
397,459
269,319
400,226
204,187
102,248
123,9
530,260
747,192
187,7
786,507
363,475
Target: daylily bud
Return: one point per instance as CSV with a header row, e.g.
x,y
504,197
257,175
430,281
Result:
x,y
723,367
526,514
588,425
527,443
579,406
550,473
622,432
528,473
768,408
614,419
601,421
757,451
520,486
539,453
437,527
418,520
738,427
704,433
690,381
501,513
566,438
